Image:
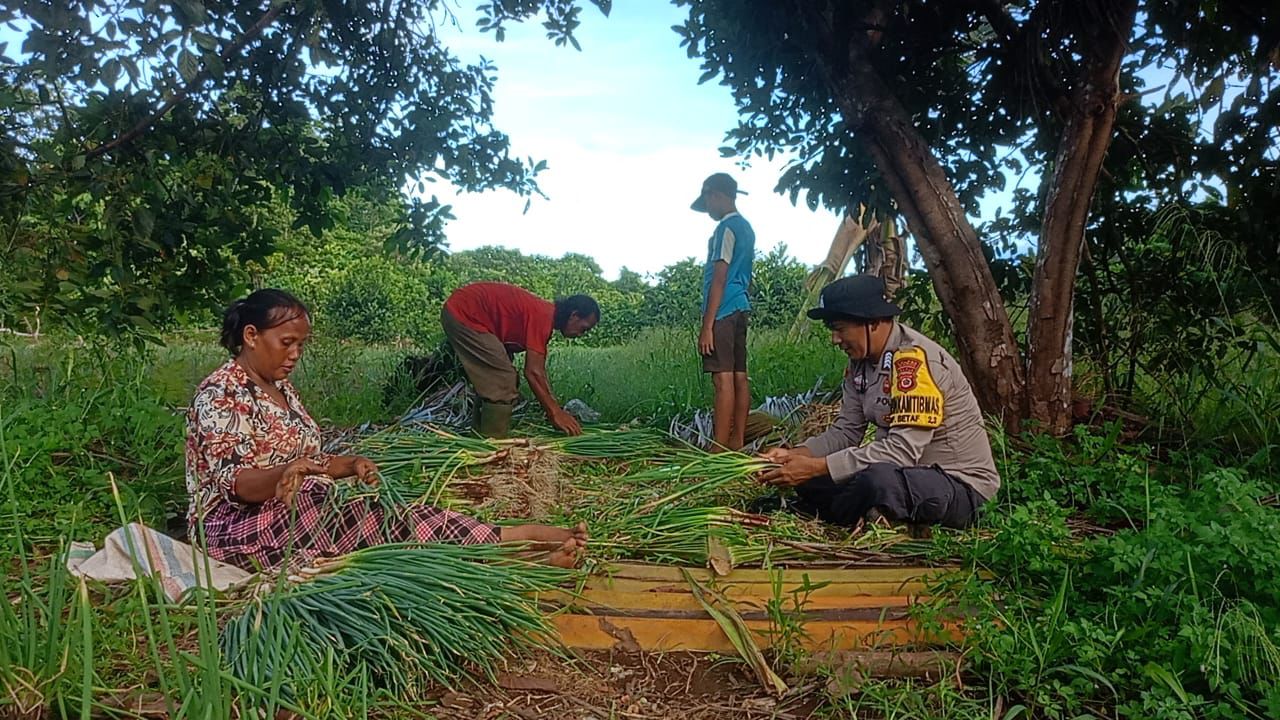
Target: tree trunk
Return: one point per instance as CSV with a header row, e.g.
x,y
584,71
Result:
x,y
850,234
1079,159
959,270
920,188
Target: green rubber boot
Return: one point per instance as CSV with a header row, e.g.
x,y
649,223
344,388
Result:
x,y
495,419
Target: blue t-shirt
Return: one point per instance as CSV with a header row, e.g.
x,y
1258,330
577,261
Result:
x,y
733,242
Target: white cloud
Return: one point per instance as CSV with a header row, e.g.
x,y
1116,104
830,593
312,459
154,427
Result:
x,y
628,136
632,209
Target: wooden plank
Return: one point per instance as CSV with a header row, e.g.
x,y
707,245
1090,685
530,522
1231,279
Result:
x,y
824,615
735,589
588,632
617,600
646,571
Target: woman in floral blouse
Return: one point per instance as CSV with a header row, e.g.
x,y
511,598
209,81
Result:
x,y
259,483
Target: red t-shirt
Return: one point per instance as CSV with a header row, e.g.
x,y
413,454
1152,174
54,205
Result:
x,y
520,319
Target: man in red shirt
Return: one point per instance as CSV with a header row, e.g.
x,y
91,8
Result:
x,y
487,323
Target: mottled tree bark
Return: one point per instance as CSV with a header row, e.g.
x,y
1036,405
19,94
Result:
x,y
1081,150
957,267
947,241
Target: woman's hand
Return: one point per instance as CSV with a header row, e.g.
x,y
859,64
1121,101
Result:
x,y
365,469
292,477
357,466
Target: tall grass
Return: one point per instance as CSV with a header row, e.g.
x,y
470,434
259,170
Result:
x,y
658,375
37,621
1235,408
341,383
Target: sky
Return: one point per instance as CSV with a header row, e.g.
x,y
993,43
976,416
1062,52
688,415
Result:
x,y
628,136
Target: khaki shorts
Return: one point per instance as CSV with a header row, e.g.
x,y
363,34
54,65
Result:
x,y
485,360
730,353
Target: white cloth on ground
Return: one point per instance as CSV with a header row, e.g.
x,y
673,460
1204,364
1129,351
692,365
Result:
x,y
178,566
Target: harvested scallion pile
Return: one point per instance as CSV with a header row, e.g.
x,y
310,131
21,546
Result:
x,y
426,448
409,615
695,475
672,534
638,444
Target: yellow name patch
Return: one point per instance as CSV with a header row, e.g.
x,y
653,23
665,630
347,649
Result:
x,y
914,399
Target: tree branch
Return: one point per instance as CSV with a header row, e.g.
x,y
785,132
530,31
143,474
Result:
x,y
1022,50
226,55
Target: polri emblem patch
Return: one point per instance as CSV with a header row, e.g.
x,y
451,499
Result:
x,y
905,369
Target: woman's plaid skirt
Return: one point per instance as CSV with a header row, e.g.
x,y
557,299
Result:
x,y
265,535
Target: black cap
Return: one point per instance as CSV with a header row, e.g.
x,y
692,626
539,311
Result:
x,y
720,182
860,297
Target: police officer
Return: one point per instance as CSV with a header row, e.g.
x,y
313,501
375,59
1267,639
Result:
x,y
930,460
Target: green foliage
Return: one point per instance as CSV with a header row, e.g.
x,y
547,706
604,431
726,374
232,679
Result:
x,y
140,144
42,642
1173,615
73,420
1209,314
357,291
377,300
909,700
676,299
777,289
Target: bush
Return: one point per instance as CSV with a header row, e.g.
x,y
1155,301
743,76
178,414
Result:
x,y
380,300
1174,615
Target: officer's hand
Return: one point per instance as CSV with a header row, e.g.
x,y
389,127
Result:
x,y
793,470
776,455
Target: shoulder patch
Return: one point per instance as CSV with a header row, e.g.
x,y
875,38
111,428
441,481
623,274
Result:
x,y
914,398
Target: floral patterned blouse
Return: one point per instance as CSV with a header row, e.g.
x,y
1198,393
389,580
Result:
x,y
234,424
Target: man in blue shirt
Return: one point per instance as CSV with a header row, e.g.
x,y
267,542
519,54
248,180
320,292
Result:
x,y
725,279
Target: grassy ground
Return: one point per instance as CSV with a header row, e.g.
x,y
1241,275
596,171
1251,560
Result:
x,y
1133,580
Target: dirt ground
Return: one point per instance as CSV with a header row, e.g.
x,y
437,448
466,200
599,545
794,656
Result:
x,y
613,684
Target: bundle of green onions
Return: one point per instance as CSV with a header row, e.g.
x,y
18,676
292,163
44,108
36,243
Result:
x,y
613,444
408,615
424,448
417,464
693,475
676,534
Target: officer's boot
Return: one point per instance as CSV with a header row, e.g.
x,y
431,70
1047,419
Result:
x,y
495,419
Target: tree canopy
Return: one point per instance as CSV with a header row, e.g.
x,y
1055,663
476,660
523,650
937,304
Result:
x,y
143,139
922,109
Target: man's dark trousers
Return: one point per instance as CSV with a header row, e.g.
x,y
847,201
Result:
x,y
918,495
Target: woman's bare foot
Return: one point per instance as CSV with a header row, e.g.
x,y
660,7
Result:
x,y
568,555
566,546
